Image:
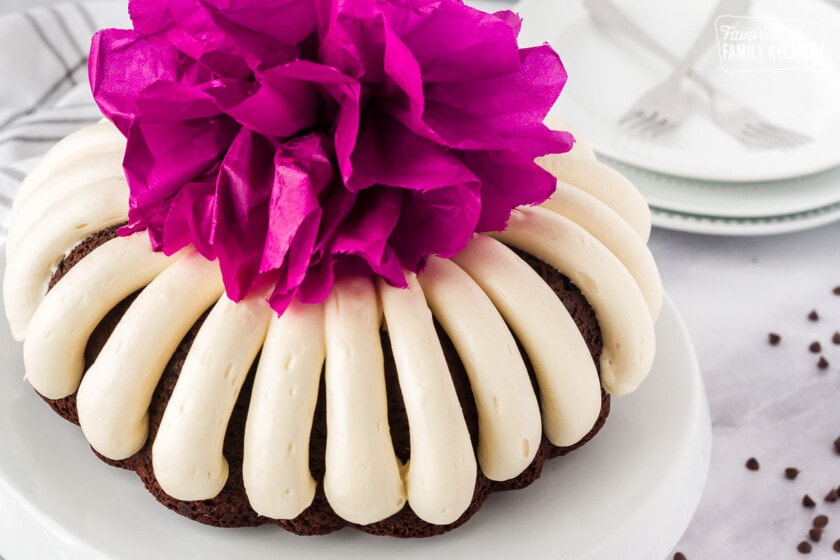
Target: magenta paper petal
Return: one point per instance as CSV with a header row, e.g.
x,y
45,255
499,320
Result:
x,y
300,141
270,110
241,218
436,222
497,172
387,153
483,46
194,204
303,170
122,64
363,237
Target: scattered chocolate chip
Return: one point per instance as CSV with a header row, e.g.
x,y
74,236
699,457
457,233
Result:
x,y
774,339
813,315
804,547
836,291
815,534
679,556
831,496
836,337
836,546
822,363
752,464
820,521
815,347
837,445
808,502
791,473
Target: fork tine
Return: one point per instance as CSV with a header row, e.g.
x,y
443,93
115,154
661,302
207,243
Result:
x,y
636,118
780,137
655,128
755,142
787,133
765,139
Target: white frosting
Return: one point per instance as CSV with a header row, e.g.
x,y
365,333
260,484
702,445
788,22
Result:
x,y
57,189
53,352
594,234
362,480
276,456
441,472
187,451
570,393
625,321
91,208
85,142
579,168
114,396
509,423
610,229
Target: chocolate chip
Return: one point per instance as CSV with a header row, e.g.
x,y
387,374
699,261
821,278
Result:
x,y
791,473
822,363
774,339
836,546
808,502
831,496
813,315
679,556
836,337
815,347
820,521
815,534
752,464
804,547
837,445
836,291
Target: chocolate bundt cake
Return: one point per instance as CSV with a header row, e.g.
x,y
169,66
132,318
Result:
x,y
310,270
396,411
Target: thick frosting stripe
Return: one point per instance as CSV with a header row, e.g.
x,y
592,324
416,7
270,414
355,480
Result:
x,y
581,169
114,396
276,456
570,392
610,229
94,208
440,475
57,189
100,137
509,423
53,351
187,451
624,318
362,481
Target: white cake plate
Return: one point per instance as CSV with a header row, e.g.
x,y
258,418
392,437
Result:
x,y
628,494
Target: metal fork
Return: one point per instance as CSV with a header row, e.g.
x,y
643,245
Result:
x,y
730,114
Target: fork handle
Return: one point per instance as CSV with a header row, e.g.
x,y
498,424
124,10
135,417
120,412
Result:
x,y
607,14
705,38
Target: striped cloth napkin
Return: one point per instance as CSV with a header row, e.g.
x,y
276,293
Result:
x,y
44,92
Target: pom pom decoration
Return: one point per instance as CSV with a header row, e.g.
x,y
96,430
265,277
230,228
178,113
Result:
x,y
300,140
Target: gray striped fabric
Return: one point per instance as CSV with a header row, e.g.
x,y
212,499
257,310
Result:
x,y
44,93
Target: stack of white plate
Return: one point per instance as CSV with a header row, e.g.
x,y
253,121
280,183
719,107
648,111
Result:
x,y
698,178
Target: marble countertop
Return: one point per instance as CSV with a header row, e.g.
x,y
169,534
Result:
x,y
768,402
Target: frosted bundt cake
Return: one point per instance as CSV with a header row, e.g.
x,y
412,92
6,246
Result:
x,y
309,273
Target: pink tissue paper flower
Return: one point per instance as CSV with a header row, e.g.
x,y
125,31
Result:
x,y
297,141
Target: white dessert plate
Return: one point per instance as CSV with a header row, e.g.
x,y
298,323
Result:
x,y
734,200
735,226
763,208
628,494
607,73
